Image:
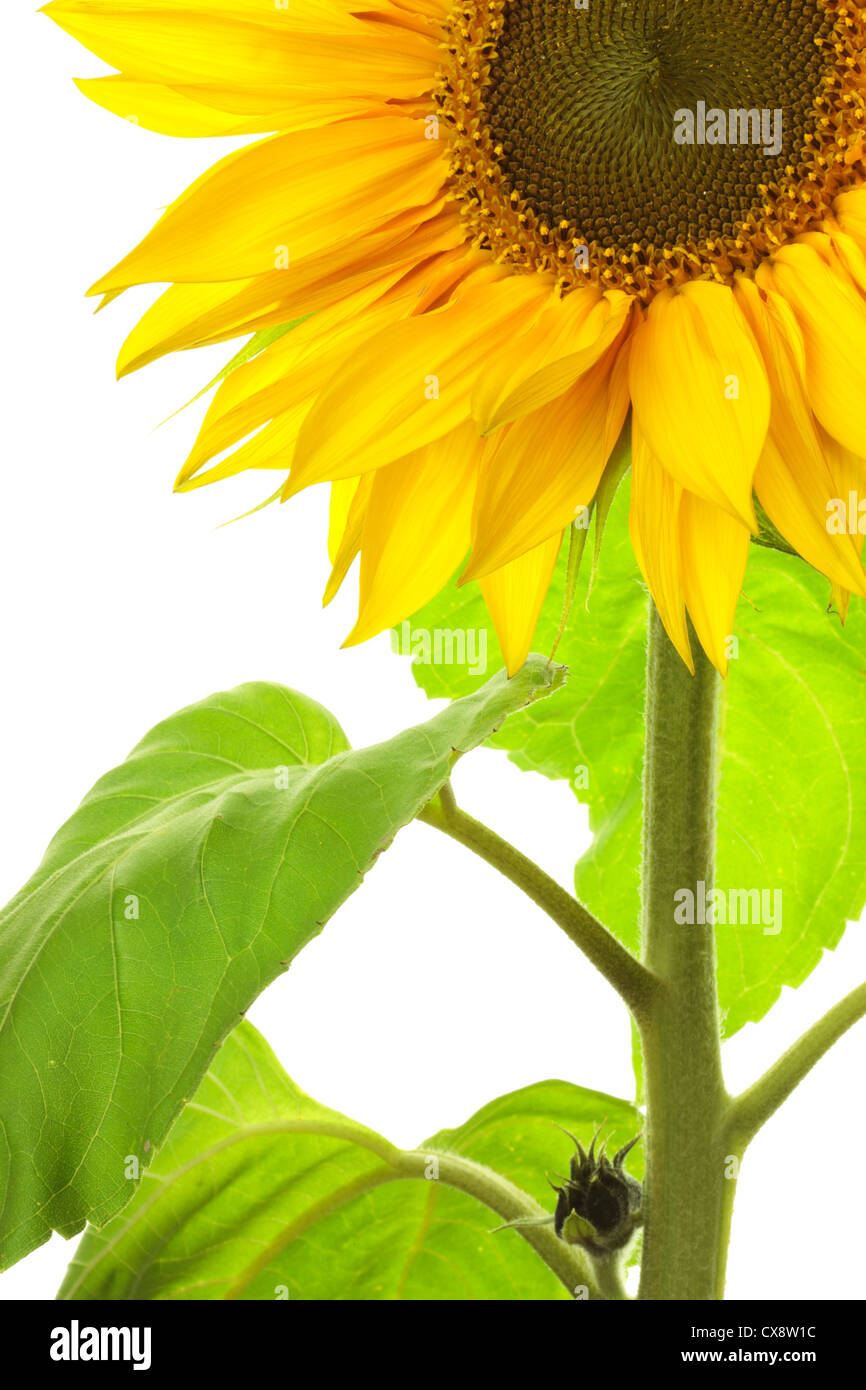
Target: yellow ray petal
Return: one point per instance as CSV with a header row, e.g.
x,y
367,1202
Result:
x,y
547,465
801,514
350,541
700,393
288,374
270,448
192,112
416,530
439,280
714,550
849,484
342,494
284,199
842,254
409,386
334,331
832,316
314,16
653,526
565,339
285,376
194,315
265,48
187,316
793,479
430,9
850,210
847,471
514,596
840,599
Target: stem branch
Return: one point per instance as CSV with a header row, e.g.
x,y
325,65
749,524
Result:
x,y
754,1106
619,967
568,1262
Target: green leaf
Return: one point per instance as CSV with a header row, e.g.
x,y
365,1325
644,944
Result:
x,y
260,1192
792,797
186,881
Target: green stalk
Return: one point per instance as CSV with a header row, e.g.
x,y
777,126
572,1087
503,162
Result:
x,y
754,1107
600,946
687,1196
572,1266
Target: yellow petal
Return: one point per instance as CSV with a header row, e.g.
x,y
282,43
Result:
x,y
350,541
194,315
832,316
342,494
847,470
416,530
264,48
284,199
848,260
654,528
409,386
700,393
547,465
801,515
200,111
270,448
314,16
514,596
793,479
187,316
849,485
433,9
850,211
565,339
840,599
714,550
285,376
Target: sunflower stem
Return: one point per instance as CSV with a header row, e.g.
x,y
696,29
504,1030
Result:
x,y
688,1196
572,1266
619,967
610,1273
754,1107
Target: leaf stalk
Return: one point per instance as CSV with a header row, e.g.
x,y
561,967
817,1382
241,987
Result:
x,y
633,981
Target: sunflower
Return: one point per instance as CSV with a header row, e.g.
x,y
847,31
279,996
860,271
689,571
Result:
x,y
508,236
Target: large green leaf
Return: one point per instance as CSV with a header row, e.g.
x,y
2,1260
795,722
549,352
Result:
x,y
792,799
262,1193
186,881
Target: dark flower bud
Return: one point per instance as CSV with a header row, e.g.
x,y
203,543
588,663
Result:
x,y
599,1204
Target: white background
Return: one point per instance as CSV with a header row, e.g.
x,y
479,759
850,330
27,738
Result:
x,y
438,986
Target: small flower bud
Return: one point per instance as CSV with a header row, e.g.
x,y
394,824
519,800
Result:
x,y
599,1204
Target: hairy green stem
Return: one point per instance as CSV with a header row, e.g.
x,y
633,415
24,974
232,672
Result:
x,y
571,1265
619,967
610,1273
687,1196
695,1132
755,1106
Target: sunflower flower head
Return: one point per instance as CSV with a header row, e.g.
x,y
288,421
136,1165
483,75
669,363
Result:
x,y
501,234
